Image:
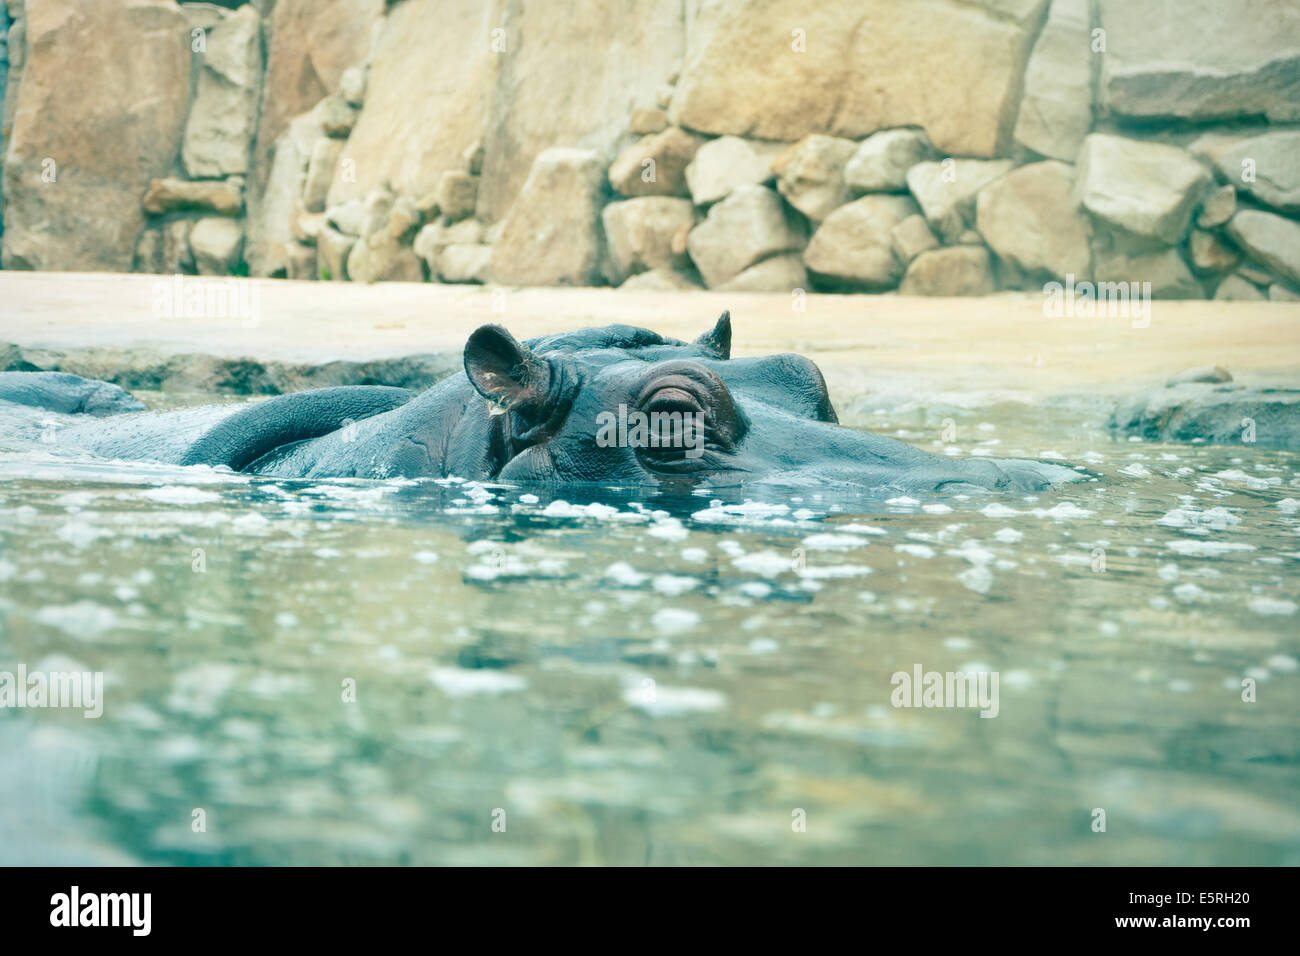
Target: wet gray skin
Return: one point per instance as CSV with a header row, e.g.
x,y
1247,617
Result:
x,y
533,414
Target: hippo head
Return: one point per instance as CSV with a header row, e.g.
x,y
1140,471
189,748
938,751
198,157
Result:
x,y
624,406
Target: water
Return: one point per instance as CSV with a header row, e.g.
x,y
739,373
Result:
x,y
440,673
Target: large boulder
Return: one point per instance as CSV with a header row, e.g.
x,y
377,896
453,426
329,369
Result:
x,y
911,237
946,191
1148,190
722,164
552,235
569,80
810,175
881,161
1267,167
220,129
426,98
1056,110
781,69
183,195
655,165
1201,59
648,232
853,248
950,271
97,116
1272,241
1031,218
750,224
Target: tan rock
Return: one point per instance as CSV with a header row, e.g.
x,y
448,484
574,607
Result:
x,y
911,237
174,195
810,175
320,171
381,258
1272,241
853,248
946,191
750,224
332,251
1032,218
647,232
880,163
1218,208
722,164
571,80
1236,289
660,280
783,273
216,242
1145,189
223,116
177,258
949,271
655,165
646,120
97,115
552,235
1210,254
953,70
457,194
426,97
310,43
1056,111
1165,270
465,263
301,261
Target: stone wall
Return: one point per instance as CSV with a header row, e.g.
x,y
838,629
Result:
x,y
935,147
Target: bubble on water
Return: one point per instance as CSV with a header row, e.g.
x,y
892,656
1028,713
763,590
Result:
x,y
250,522
1288,506
860,528
903,501
528,499
670,529
730,548
464,682
1064,510
674,584
695,555
673,701
1051,455
622,573
756,589
767,564
978,579
425,557
957,643
820,572
937,509
833,542
79,534
83,619
1167,572
1017,679
1283,662
763,645
674,620
1008,535
916,550
7,569
1189,593
1136,470
286,620
1258,673
327,553
1270,606
999,510
1180,686
180,495
1206,549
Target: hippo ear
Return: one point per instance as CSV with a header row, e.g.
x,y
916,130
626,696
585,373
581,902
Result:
x,y
504,371
718,339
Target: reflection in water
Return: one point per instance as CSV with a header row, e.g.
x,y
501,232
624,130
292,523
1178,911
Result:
x,y
442,673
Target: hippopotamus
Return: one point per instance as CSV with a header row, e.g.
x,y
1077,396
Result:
x,y
613,406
